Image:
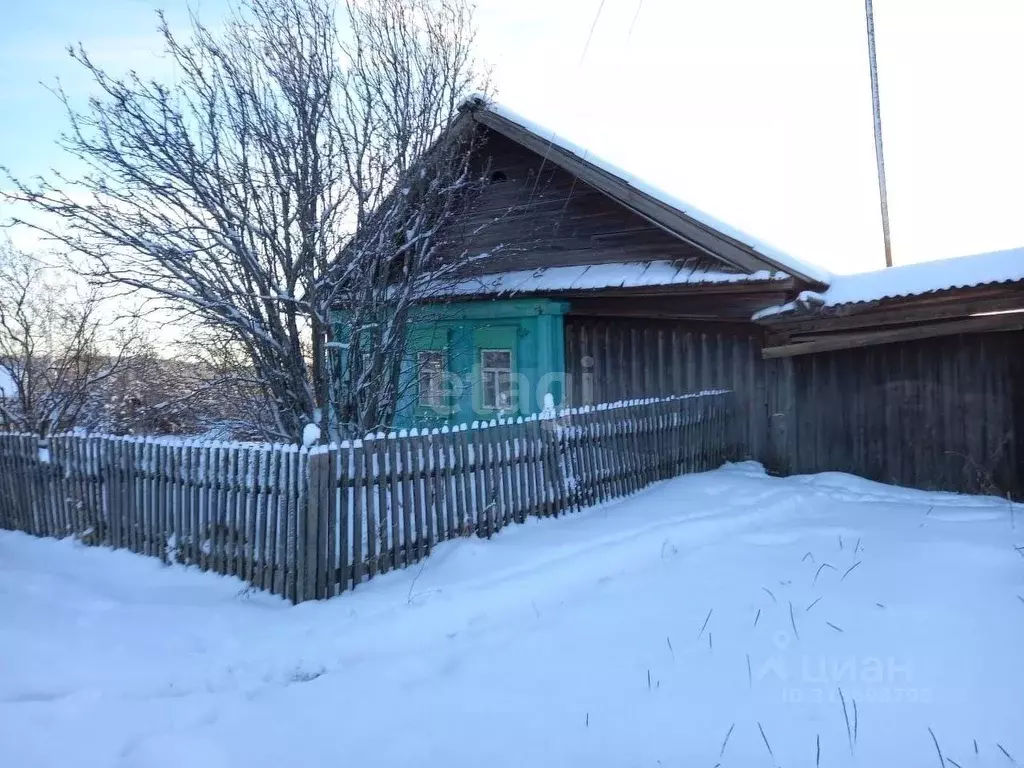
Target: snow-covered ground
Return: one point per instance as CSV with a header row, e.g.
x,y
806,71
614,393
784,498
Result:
x,y
711,619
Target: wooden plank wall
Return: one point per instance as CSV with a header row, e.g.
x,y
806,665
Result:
x,y
539,215
613,358
939,414
309,524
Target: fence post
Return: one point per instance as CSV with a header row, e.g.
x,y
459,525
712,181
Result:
x,y
392,451
359,494
275,480
554,481
316,528
300,514
371,478
346,495
492,489
329,510
380,446
308,544
405,444
289,523
115,494
6,481
464,480
395,483
479,495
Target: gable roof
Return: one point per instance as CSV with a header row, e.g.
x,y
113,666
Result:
x,y
688,223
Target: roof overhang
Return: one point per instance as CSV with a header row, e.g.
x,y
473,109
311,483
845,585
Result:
x,y
808,328
725,302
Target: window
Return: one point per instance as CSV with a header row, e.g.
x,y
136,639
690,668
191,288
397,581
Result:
x,y
431,378
496,373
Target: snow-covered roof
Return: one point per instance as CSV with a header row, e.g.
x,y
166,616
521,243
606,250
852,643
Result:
x,y
913,280
597,276
770,254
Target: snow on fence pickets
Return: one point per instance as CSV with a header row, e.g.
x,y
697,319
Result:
x,y
310,523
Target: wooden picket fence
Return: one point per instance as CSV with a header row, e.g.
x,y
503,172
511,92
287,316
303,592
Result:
x,y
309,524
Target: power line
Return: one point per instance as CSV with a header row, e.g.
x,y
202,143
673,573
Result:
x,y
597,16
593,26
544,157
633,22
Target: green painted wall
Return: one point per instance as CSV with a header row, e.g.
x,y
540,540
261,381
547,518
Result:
x,y
532,329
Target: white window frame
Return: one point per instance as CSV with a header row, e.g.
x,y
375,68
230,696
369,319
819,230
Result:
x,y
437,397
486,371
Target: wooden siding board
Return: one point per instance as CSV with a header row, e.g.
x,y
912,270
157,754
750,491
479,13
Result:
x,y
653,357
553,218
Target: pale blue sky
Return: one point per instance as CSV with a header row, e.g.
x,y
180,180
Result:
x,y
758,112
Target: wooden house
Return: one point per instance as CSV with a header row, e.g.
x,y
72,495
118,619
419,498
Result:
x,y
642,295
593,286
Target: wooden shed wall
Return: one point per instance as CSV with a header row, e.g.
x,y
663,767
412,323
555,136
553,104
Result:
x,y
938,414
609,359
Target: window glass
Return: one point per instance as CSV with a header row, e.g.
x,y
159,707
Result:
x,y
496,375
431,378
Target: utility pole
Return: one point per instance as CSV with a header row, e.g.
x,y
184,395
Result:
x,y
879,158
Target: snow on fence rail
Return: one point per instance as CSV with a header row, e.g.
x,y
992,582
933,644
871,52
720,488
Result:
x,y
309,524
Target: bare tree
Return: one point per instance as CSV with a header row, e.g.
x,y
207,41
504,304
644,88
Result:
x,y
57,348
233,394
158,394
292,168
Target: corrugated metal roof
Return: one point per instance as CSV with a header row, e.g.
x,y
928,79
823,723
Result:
x,y
912,280
927,277
602,276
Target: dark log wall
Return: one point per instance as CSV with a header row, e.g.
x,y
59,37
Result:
x,y
938,414
609,359
539,215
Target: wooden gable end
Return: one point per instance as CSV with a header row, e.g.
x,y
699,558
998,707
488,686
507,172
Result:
x,y
534,214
